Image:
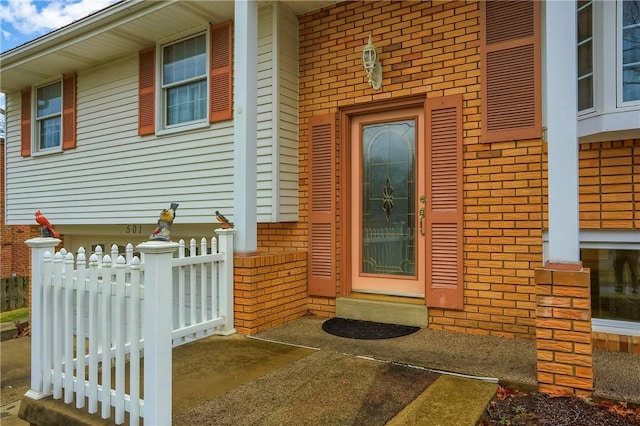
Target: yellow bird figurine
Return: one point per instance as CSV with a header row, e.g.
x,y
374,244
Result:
x,y
163,230
223,220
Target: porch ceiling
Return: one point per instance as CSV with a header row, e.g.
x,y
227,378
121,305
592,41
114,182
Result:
x,y
112,33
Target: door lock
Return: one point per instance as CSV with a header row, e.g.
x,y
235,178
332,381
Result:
x,y
423,199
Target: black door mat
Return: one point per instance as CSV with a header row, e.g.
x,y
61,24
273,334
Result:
x,y
356,329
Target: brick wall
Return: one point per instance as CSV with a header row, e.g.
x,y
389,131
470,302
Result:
x,y
432,48
15,256
503,240
610,185
269,289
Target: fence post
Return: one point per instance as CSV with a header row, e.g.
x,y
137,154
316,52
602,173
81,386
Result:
x,y
39,246
225,245
158,328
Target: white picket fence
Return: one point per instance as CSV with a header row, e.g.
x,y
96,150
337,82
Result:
x,y
94,325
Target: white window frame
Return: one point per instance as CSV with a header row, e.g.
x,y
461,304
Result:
x,y
35,134
609,119
161,103
606,239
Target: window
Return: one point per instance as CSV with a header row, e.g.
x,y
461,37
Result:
x,y
613,256
184,81
194,86
630,56
608,46
48,116
615,283
585,55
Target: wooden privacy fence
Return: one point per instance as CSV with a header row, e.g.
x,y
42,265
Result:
x,y
91,319
14,293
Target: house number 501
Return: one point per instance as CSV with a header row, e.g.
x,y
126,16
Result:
x,y
134,229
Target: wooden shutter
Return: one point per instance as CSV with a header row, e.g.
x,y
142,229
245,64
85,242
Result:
x,y
69,124
221,72
322,206
445,282
147,91
25,124
511,70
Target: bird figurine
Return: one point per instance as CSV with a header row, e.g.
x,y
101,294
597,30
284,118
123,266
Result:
x,y
163,230
46,228
223,220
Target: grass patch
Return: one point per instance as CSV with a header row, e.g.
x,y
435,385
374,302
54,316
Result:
x,y
17,314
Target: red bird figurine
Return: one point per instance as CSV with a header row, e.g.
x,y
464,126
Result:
x,y
46,229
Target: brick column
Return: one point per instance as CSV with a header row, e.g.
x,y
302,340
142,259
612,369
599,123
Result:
x,y
270,289
563,330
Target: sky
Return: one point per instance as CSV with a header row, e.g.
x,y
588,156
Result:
x,y
24,20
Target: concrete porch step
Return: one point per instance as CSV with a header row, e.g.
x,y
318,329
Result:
x,y
382,308
450,400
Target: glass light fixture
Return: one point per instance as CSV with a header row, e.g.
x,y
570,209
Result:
x,y
372,65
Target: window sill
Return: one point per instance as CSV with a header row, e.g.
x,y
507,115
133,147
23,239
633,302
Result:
x,y
45,152
185,128
609,125
623,328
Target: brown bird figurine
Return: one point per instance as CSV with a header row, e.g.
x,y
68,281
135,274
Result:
x,y
223,220
46,228
163,230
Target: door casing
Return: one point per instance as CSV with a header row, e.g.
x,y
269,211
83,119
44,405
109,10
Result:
x,y
348,248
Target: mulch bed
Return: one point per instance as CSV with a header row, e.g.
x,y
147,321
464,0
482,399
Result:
x,y
512,408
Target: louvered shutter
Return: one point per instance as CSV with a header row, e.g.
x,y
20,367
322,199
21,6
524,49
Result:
x,y
25,124
69,111
322,207
146,91
221,72
511,79
444,287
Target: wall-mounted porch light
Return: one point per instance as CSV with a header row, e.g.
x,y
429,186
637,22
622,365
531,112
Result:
x,y
372,65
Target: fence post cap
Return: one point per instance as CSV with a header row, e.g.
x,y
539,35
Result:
x,y
157,247
221,231
43,242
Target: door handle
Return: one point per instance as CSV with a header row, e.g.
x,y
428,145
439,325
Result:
x,y
421,223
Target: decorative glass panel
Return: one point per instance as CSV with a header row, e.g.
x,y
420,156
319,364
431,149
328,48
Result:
x,y
615,283
388,194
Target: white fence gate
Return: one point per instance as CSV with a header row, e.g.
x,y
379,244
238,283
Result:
x,y
93,323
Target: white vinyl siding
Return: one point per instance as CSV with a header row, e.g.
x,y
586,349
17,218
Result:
x,y
114,176
288,120
277,115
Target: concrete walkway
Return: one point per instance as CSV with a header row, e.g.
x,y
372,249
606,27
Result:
x,y
327,380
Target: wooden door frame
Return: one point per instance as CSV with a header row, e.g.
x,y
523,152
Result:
x,y
344,172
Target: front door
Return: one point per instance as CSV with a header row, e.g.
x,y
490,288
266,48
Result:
x,y
387,210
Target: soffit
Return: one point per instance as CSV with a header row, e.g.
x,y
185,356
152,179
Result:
x,y
113,33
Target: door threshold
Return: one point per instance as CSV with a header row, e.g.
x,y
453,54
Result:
x,y
383,308
387,298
